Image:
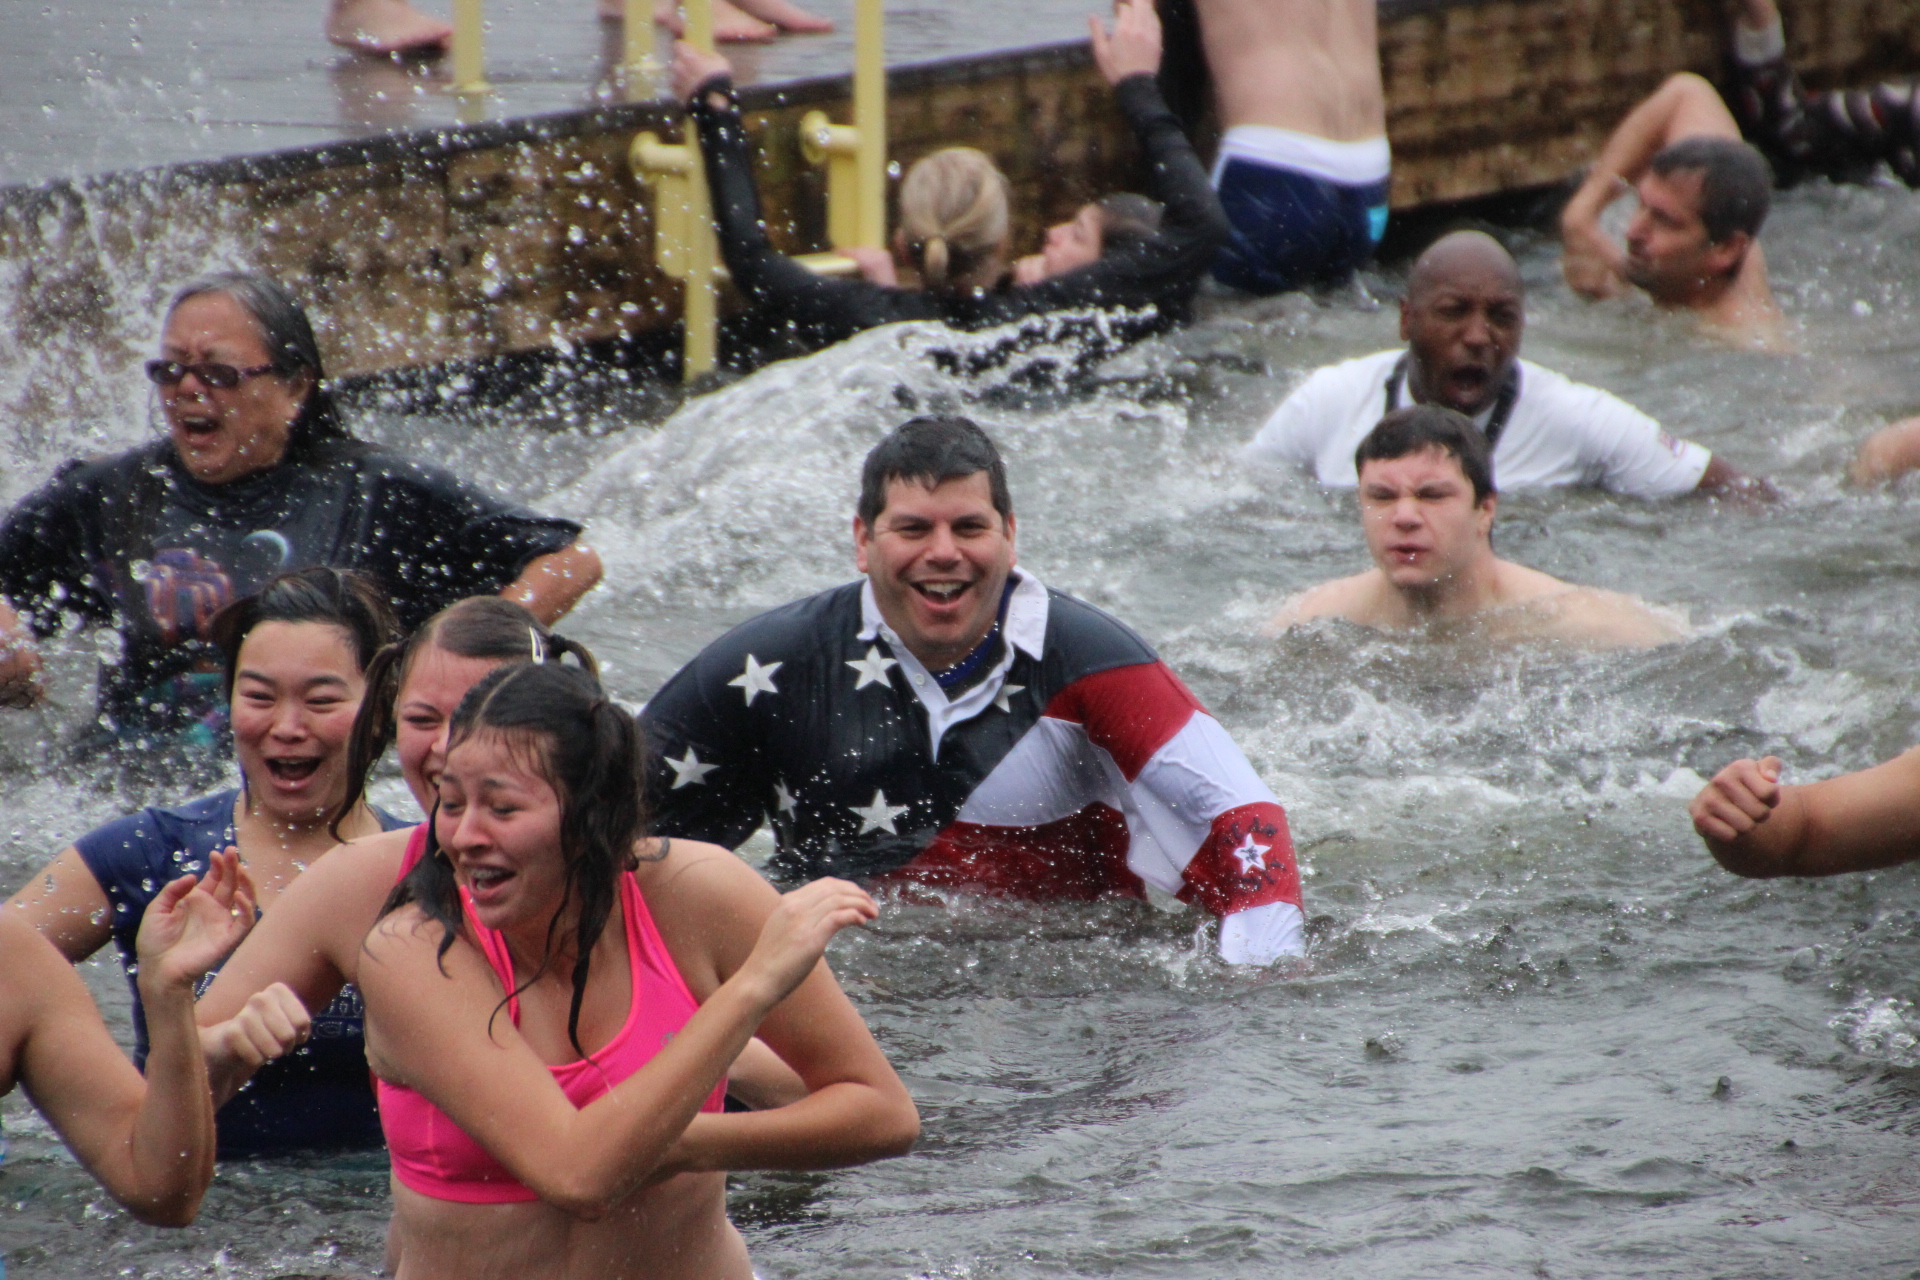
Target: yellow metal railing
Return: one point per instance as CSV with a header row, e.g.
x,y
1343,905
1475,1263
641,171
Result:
x,y
683,243
640,62
469,52
683,239
856,155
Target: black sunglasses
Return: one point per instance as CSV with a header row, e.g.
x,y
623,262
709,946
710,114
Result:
x,y
168,373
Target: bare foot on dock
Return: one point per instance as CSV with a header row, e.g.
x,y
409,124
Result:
x,y
729,24
385,27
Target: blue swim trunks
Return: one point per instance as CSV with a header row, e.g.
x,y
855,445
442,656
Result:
x,y
1304,210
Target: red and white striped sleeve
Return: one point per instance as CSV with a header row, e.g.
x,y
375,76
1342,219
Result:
x,y
1204,826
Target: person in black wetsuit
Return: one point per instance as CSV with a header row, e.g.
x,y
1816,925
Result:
x,y
256,476
1840,134
296,659
1125,268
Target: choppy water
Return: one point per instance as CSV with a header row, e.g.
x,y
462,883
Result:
x,y
1541,1035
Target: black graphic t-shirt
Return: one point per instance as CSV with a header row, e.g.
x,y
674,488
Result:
x,y
134,542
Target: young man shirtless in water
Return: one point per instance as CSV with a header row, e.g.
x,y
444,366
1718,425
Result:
x,y
1303,162
1693,244
1426,504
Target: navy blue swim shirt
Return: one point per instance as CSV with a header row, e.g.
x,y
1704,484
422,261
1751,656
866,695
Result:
x,y
318,1096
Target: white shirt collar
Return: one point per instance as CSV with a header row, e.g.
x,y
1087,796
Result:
x,y
1025,629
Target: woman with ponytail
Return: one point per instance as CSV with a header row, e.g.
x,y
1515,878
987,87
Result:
x,y
304,955
554,999
1116,255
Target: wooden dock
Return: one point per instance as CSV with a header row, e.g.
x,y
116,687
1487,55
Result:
x,y
440,246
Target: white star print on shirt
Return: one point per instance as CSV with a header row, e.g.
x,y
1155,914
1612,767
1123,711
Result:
x,y
1250,855
873,668
756,679
879,815
688,771
1006,693
783,801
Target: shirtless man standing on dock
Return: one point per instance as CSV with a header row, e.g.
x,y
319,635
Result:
x,y
1303,160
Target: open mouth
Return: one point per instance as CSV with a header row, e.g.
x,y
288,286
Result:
x,y
942,593
486,879
199,428
293,770
1469,384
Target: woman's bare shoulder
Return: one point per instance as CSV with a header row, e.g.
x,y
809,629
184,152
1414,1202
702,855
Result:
x,y
681,865
1340,598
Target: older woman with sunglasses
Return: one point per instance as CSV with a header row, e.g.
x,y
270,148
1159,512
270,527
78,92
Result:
x,y
256,476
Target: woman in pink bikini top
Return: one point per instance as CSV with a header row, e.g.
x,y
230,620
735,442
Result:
x,y
551,1017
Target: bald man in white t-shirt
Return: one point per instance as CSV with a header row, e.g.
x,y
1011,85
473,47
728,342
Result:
x,y
1462,317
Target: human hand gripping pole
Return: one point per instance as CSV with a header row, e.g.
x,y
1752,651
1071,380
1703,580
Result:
x,y
693,67
1134,47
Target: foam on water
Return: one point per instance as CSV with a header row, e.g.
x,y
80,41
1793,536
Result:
x,y
1540,1033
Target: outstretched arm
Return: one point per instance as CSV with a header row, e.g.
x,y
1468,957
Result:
x,y
552,584
1887,454
1685,106
1861,821
150,1142
815,308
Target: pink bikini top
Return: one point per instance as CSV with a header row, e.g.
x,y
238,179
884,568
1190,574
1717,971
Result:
x,y
433,1156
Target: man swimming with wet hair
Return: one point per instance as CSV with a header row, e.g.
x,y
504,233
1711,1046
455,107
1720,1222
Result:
x,y
1303,161
1426,505
1463,316
1694,242
948,721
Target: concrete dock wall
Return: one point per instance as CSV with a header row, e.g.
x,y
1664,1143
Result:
x,y
427,248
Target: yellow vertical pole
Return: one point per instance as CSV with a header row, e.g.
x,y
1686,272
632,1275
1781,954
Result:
x,y
700,24
639,62
702,319
870,122
469,55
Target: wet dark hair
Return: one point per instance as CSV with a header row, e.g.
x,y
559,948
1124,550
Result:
x,y
593,754
477,627
1430,426
931,450
338,597
290,343
1736,187
1127,219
